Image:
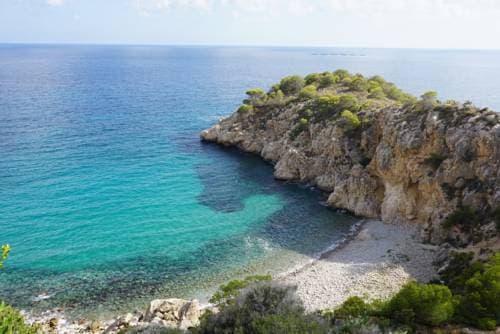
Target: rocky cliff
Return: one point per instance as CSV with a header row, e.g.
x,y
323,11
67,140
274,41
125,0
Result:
x,y
377,151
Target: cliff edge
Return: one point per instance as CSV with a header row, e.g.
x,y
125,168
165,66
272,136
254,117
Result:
x,y
377,151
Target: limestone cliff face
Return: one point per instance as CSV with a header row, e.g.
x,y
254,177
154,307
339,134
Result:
x,y
402,164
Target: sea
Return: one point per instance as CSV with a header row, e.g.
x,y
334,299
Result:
x,y
109,199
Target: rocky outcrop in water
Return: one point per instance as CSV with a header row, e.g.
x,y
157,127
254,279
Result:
x,y
398,158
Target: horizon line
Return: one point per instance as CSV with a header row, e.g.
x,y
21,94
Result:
x,y
247,45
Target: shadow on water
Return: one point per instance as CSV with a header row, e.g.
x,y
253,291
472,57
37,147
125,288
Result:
x,y
303,216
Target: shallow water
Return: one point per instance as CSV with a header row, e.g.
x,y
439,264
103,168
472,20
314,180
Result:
x,y
109,199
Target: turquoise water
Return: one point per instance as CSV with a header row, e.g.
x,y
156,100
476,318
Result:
x,y
109,199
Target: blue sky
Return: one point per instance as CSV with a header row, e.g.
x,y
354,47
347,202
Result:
x,y
365,23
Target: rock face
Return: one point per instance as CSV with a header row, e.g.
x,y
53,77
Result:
x,y
160,314
402,164
177,313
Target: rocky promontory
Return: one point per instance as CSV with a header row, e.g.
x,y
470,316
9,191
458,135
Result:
x,y
378,152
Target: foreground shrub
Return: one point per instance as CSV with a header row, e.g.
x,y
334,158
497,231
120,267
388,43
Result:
x,y
228,292
11,322
459,270
423,304
289,324
254,309
479,304
353,307
292,85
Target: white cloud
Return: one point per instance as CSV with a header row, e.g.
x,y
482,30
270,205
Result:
x,y
446,8
55,2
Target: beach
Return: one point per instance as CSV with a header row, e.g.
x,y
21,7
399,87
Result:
x,y
375,264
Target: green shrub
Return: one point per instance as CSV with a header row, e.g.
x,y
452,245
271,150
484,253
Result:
x,y
376,93
4,254
331,105
288,324
232,289
464,217
460,269
292,85
250,309
328,80
312,78
479,303
396,94
12,322
358,83
352,119
275,98
245,108
428,100
342,74
255,95
297,129
308,92
255,92
353,307
423,304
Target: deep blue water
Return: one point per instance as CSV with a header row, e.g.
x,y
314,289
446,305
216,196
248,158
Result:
x,y
109,199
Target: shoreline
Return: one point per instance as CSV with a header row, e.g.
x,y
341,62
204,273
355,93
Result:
x,y
373,261
374,264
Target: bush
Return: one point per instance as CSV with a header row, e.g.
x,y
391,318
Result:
x,y
428,100
253,309
353,307
228,292
297,129
328,80
459,270
330,105
292,85
312,78
4,254
423,304
288,324
11,321
352,119
255,95
464,217
376,93
479,303
308,92
342,74
245,108
358,83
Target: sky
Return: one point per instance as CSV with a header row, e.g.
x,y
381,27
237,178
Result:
x,y
463,24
